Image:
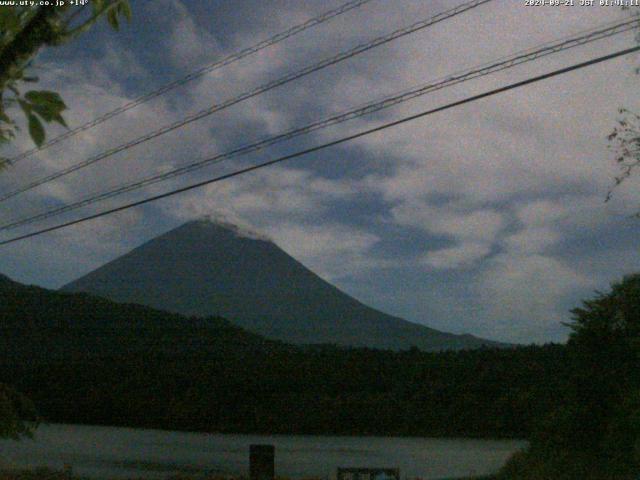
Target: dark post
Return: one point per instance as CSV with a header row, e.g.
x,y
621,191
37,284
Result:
x,y
261,462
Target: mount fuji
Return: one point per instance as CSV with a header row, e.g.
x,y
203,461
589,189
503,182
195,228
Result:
x,y
206,268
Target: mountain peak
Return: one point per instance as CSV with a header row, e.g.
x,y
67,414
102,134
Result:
x,y
237,226
216,266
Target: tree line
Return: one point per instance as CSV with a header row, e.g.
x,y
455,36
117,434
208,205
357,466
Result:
x,y
82,359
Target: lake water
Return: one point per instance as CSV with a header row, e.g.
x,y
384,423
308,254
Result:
x,y
107,452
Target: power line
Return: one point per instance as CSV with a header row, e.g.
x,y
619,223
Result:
x,y
585,37
277,38
329,144
252,93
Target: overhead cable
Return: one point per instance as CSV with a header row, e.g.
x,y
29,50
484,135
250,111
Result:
x,y
327,145
250,94
592,35
277,38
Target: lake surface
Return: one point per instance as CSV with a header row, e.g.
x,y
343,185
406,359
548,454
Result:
x,y
107,452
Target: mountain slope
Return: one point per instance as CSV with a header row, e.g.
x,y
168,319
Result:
x,y
205,268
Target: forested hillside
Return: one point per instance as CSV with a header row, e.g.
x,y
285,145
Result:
x,y
87,360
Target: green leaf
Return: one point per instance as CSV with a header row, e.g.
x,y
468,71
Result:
x,y
125,10
9,21
98,6
36,130
5,118
26,107
58,118
46,104
112,18
46,98
45,112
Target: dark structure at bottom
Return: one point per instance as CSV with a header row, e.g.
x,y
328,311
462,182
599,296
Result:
x,y
368,474
262,462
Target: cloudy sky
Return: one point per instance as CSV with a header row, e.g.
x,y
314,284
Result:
x,y
486,219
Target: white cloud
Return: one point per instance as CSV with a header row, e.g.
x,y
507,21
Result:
x,y
236,224
456,257
275,193
541,212
532,240
331,250
483,225
186,44
473,232
544,222
522,294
